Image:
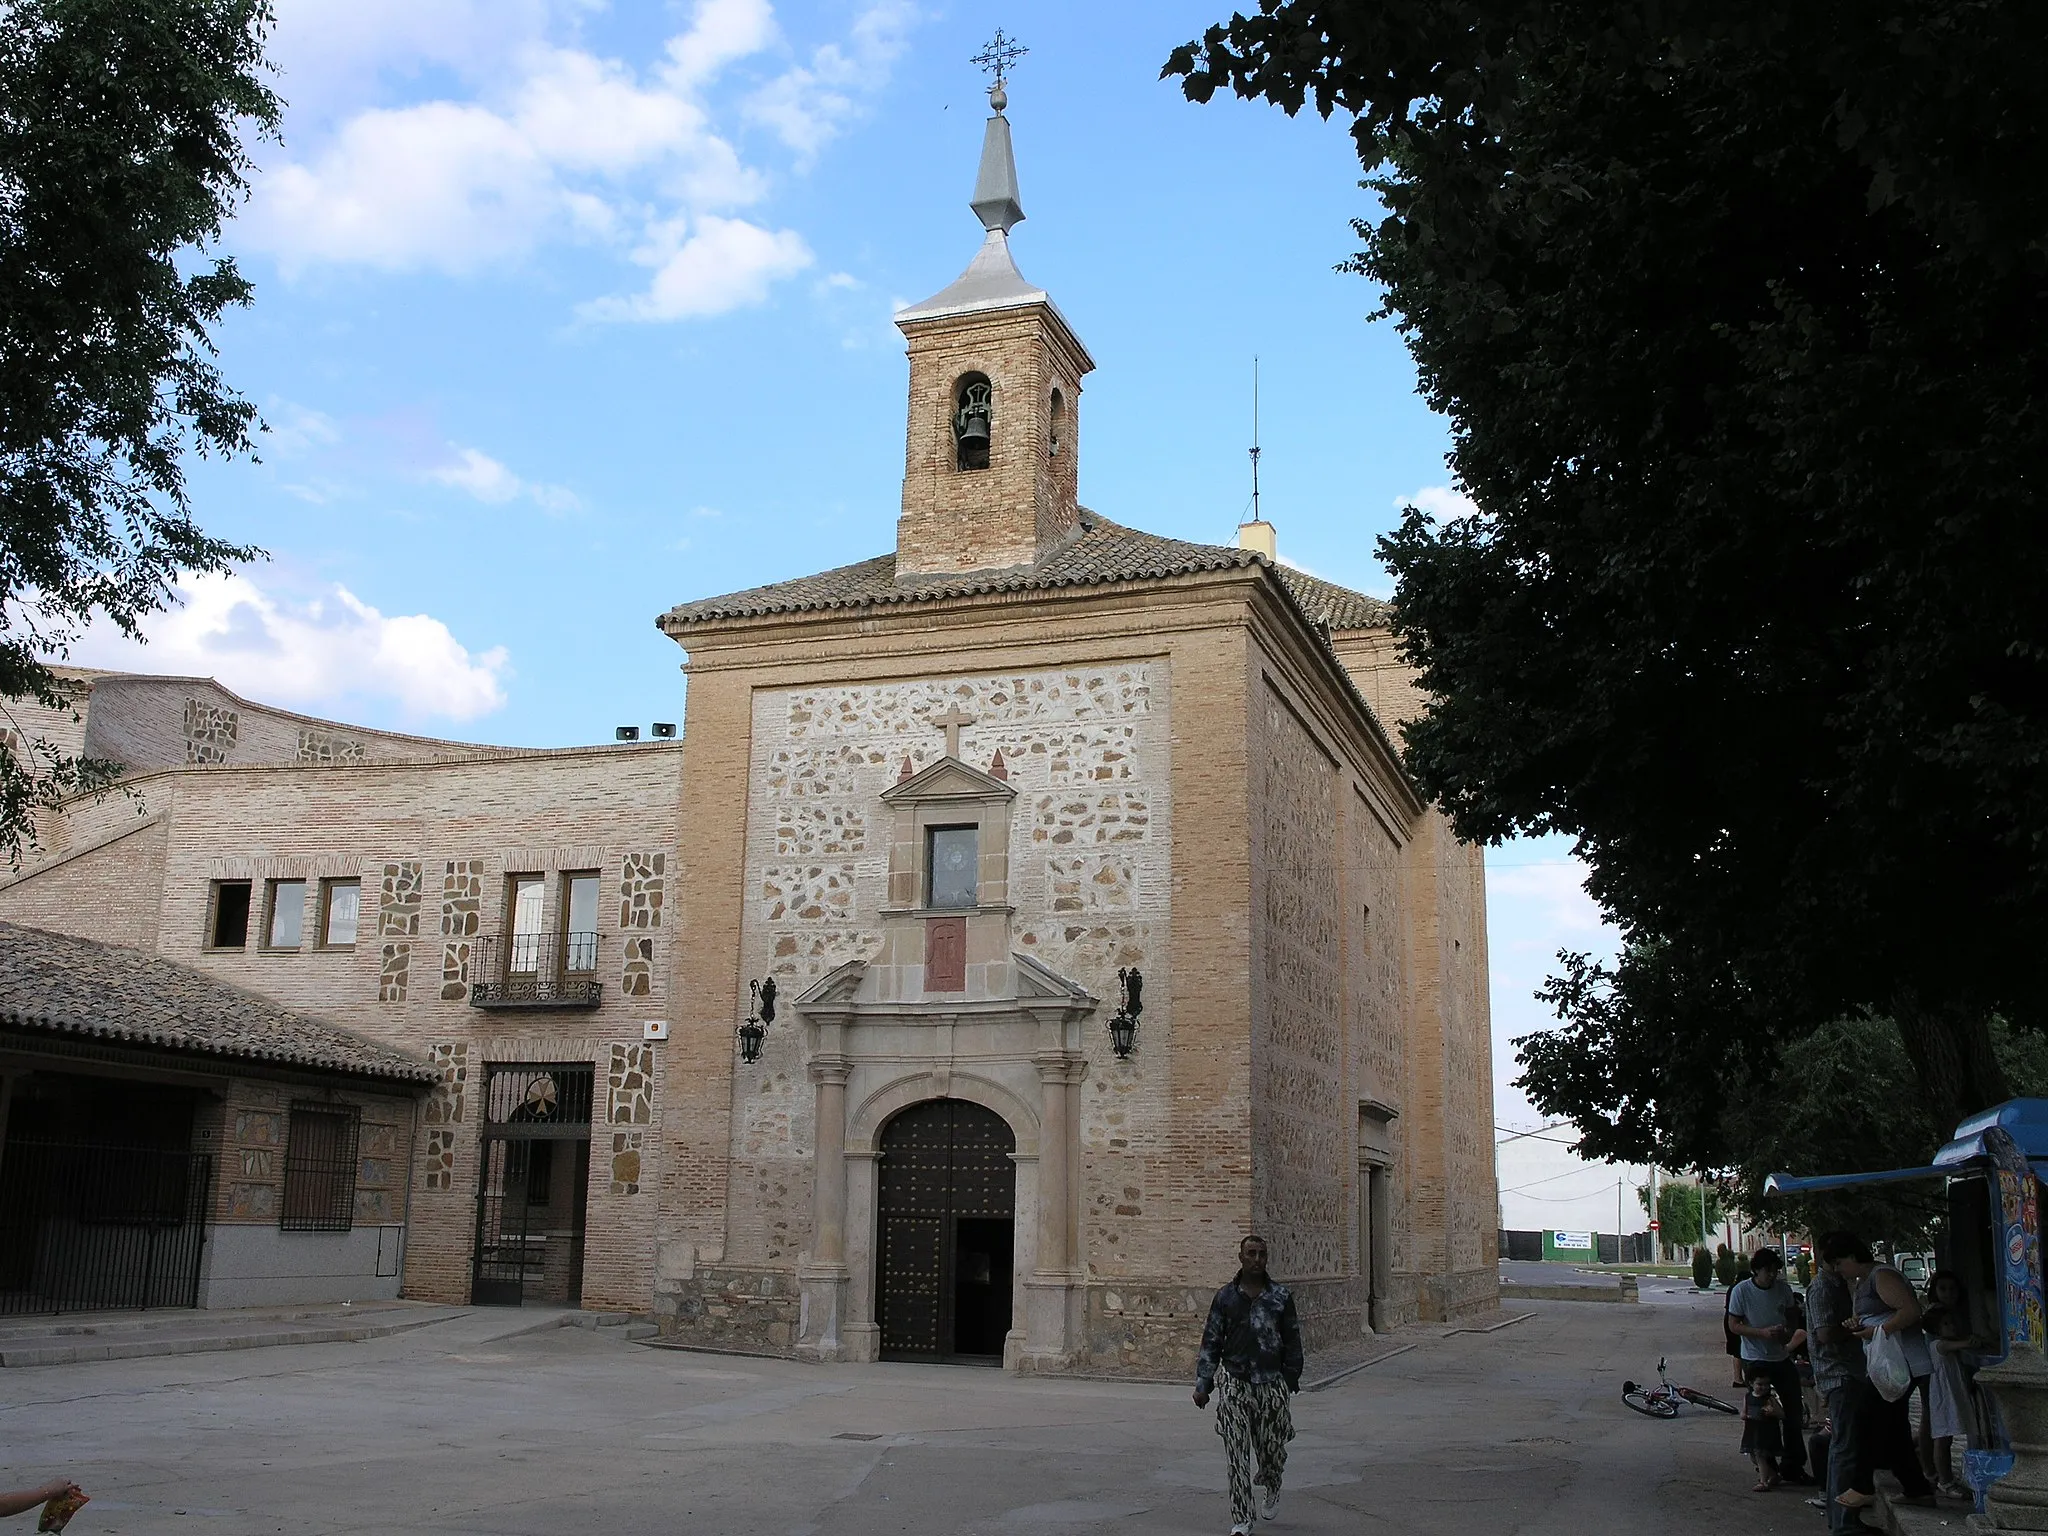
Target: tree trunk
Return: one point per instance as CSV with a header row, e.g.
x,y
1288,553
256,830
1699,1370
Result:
x,y
1950,1049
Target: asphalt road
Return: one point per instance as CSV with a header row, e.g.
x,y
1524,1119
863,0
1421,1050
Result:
x,y
450,1429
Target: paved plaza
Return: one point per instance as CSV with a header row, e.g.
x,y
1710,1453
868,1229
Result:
x,y
462,1427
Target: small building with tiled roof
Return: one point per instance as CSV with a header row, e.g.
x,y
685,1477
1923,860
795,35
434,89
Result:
x,y
168,1139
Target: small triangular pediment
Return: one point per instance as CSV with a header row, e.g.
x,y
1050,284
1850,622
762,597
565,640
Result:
x,y
836,986
1036,979
948,779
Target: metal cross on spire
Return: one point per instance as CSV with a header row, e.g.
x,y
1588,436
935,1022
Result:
x,y
1002,51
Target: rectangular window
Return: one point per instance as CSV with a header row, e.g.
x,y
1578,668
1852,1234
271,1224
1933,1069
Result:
x,y
529,893
579,918
287,916
228,921
341,903
320,1168
953,867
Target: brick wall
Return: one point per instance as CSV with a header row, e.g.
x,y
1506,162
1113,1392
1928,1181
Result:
x,y
431,845
1024,502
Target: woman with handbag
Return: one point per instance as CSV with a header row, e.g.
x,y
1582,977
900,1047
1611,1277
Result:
x,y
1888,1321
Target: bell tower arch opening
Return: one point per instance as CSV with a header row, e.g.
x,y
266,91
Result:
x,y
973,421
946,1204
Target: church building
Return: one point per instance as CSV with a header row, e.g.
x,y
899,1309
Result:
x,y
1027,914
1104,923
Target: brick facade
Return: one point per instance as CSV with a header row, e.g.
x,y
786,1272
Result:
x,y
432,845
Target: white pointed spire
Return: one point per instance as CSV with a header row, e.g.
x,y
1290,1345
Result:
x,y
995,185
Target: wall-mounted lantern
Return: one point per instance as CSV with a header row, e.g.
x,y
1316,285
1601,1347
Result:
x,y
759,1017
1123,1024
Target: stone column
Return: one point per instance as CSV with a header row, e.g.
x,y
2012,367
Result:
x,y
1049,1329
824,1277
1054,1190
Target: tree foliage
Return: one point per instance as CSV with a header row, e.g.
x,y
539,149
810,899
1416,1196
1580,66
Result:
x,y
1678,1211
121,153
1736,312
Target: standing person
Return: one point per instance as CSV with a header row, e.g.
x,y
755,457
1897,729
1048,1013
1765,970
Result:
x,y
1947,1324
1763,1312
1885,1303
1763,1439
1254,1337
1840,1375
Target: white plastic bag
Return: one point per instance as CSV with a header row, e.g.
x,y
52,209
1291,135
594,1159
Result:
x,y
1890,1372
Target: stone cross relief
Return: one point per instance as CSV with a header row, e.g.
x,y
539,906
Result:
x,y
952,722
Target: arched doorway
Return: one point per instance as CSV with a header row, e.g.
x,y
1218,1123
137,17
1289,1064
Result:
x,y
946,1202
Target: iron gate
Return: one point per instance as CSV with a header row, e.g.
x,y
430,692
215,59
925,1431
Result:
x,y
535,1166
947,1196
91,1228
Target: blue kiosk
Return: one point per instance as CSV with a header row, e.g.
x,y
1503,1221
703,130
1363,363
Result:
x,y
1993,1169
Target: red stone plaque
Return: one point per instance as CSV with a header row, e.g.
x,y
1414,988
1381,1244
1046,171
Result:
x,y
945,954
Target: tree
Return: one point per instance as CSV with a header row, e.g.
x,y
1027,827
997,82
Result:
x,y
1841,1100
1678,1210
1736,311
121,154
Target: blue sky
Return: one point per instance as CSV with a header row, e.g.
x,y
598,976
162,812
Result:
x,y
568,312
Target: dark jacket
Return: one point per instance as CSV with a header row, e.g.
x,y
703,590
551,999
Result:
x,y
1254,1339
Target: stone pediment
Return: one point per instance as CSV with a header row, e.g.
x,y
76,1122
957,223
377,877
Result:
x,y
1038,980
839,985
848,987
949,779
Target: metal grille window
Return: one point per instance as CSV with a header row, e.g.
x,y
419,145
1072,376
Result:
x,y
320,1168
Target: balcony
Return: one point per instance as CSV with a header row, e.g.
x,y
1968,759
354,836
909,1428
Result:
x,y
535,970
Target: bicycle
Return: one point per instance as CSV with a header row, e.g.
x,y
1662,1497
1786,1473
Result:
x,y
1662,1401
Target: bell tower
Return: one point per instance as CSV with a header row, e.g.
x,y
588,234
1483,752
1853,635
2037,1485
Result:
x,y
995,393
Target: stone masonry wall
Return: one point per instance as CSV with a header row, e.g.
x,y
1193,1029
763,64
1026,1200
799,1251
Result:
x,y
1090,871
1303,1137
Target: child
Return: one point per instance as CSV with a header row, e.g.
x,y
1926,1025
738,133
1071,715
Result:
x,y
1762,1430
1947,1321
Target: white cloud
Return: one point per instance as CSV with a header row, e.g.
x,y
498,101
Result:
x,y
296,430
724,265
808,106
1549,896
552,143
1445,503
316,653
477,474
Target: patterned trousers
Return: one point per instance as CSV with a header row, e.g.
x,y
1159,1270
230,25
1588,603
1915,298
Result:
x,y
1253,1421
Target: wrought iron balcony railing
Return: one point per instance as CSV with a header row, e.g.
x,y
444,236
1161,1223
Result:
x,y
536,970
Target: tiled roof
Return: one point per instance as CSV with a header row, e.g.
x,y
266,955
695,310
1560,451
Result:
x,y
73,986
1101,552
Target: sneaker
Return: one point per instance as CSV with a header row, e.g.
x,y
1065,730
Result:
x,y
1269,1503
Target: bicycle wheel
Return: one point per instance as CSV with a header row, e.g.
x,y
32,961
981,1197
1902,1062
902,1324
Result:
x,y
1706,1400
1646,1402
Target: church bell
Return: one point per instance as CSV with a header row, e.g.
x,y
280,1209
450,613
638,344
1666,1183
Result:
x,y
970,428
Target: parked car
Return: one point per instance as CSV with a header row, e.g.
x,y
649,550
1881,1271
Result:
x,y
1915,1268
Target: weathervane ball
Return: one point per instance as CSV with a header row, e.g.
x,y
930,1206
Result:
x,y
998,98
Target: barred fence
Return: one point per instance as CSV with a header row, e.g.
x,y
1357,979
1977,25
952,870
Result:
x,y
90,1228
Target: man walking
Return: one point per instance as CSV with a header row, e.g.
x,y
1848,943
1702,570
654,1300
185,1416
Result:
x,y
1760,1312
1838,1375
1251,1359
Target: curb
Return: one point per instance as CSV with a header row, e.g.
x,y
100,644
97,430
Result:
x,y
199,1344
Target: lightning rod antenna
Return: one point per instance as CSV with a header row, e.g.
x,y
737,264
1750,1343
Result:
x,y
1255,439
